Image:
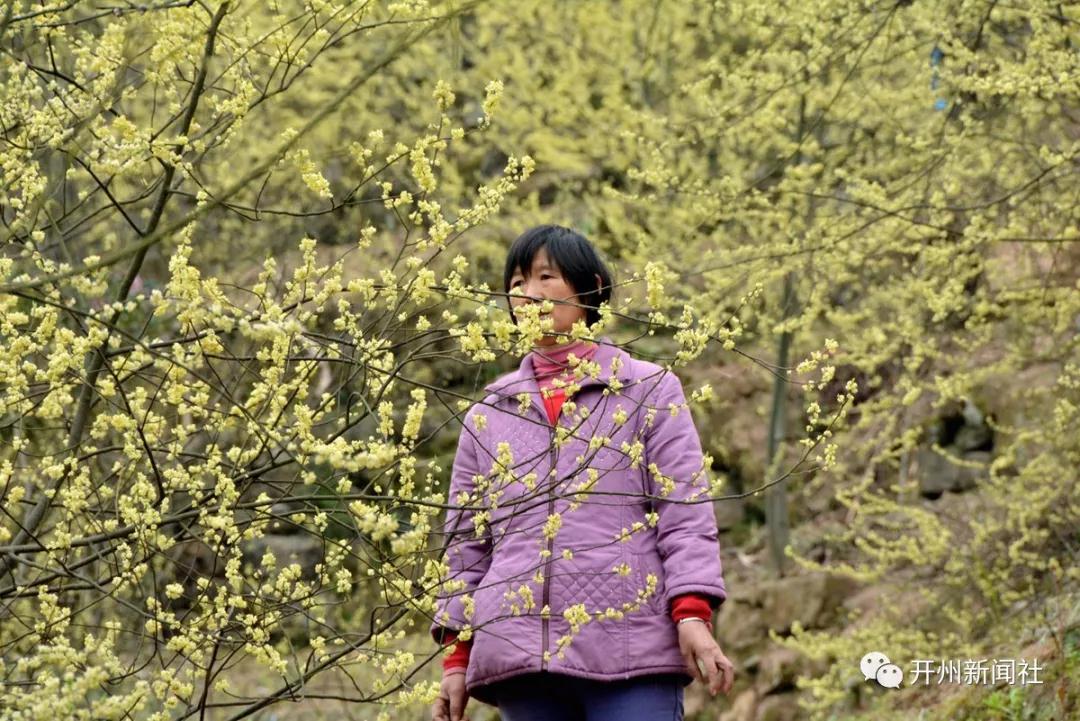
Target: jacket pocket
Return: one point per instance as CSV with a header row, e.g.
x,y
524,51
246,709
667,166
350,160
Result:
x,y
644,565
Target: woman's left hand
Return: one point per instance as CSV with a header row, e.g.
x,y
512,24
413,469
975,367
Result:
x,y
697,645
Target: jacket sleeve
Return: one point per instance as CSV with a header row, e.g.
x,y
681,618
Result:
x,y
468,556
686,532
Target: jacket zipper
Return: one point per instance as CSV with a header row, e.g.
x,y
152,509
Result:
x,y
545,623
546,593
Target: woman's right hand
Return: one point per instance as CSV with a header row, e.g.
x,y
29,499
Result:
x,y
704,659
450,706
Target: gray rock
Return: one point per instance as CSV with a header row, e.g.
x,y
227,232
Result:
x,y
303,549
739,625
971,413
743,708
812,599
935,473
967,478
779,707
777,670
938,474
974,438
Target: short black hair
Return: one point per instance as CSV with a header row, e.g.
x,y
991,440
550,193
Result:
x,y
575,257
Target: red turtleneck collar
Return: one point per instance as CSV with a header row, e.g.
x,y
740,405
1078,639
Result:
x,y
552,362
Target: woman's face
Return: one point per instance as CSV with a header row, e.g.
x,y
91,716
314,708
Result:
x,y
544,281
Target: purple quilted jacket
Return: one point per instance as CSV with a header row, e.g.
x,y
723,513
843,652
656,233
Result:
x,y
567,550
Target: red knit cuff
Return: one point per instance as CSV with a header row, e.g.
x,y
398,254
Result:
x,y
691,605
459,657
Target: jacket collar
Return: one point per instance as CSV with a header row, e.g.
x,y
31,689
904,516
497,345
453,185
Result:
x,y
523,380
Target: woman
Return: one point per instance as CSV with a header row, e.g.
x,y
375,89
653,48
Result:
x,y
588,573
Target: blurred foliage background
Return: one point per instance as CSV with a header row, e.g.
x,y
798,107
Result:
x,y
249,284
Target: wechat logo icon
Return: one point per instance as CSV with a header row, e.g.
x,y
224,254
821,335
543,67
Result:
x,y
876,666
